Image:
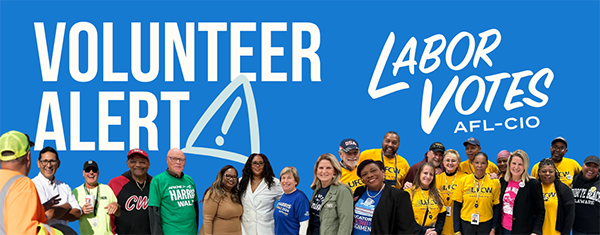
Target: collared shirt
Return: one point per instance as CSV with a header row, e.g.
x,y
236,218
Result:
x,y
47,189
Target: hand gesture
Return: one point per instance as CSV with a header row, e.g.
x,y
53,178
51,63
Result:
x,y
51,202
112,208
408,185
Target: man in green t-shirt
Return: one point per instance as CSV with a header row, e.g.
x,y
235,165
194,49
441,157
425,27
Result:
x,y
173,202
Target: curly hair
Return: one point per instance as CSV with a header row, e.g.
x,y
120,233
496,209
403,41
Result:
x,y
217,187
267,173
547,162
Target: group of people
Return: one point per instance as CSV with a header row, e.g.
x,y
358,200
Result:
x,y
132,203
369,192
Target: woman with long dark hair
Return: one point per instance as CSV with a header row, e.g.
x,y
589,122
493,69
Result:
x,y
558,200
521,198
259,189
429,210
222,206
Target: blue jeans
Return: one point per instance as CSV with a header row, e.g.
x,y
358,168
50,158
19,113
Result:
x,y
504,231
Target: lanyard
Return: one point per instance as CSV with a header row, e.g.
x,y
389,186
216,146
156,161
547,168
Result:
x,y
395,169
478,189
96,201
428,209
447,187
471,168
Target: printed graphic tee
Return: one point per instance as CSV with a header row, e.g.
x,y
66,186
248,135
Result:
x,y
315,209
425,209
290,211
363,212
551,205
567,170
508,203
477,196
176,198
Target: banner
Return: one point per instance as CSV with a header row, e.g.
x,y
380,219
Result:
x,y
290,79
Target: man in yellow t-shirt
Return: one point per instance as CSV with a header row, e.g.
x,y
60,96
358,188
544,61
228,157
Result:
x,y
567,168
396,167
473,147
349,155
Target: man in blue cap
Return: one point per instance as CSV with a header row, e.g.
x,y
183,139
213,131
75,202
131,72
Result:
x,y
349,155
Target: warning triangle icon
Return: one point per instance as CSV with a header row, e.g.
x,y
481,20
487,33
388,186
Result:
x,y
217,104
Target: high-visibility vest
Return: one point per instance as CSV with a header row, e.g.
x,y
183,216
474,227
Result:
x,y
43,229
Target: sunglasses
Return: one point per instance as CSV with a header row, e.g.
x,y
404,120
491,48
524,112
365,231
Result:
x,y
91,169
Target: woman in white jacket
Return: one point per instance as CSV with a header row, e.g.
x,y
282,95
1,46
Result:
x,y
259,189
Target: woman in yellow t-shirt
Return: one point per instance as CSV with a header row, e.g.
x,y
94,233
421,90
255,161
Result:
x,y
427,204
558,200
476,200
446,184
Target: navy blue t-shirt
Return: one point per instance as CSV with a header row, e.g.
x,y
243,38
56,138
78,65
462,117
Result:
x,y
290,211
315,209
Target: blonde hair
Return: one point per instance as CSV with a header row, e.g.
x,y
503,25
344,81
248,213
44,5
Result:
x,y
523,155
290,170
337,175
452,151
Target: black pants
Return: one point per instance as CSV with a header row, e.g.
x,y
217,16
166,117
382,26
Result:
x,y
482,228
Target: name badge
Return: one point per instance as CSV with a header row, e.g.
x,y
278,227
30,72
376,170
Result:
x,y
448,211
475,219
95,222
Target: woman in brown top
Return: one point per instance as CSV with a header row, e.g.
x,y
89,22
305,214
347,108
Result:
x,y
222,207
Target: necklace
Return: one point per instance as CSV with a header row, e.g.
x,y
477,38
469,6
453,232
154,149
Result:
x,y
377,193
140,187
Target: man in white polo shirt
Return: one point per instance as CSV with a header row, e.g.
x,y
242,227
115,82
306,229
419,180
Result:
x,y
49,187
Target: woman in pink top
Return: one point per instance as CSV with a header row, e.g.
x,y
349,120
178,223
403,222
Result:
x,y
521,199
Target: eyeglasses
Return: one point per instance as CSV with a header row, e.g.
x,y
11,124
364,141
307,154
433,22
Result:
x,y
45,162
558,148
91,169
177,159
228,176
258,163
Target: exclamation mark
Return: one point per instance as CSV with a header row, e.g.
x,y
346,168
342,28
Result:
x,y
235,107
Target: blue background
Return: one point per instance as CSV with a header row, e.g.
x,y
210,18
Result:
x,y
298,121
